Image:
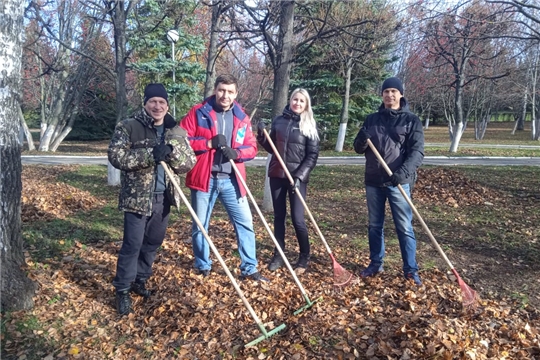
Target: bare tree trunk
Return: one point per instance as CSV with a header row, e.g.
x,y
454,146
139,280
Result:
x,y
16,289
281,74
213,48
535,132
119,13
27,133
344,110
285,52
458,114
520,119
65,132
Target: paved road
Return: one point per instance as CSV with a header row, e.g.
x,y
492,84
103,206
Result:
x,y
340,160
493,146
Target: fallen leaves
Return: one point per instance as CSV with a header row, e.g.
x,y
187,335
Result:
x,y
446,186
192,317
44,198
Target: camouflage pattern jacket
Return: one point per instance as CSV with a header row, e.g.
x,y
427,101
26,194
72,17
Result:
x,y
130,150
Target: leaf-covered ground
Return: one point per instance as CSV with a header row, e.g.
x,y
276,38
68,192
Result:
x,y
386,317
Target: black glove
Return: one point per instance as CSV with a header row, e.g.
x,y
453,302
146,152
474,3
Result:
x,y
397,178
161,152
261,126
296,185
218,141
363,136
229,152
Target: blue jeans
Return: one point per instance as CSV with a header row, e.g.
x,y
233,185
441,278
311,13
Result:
x,y
227,191
402,214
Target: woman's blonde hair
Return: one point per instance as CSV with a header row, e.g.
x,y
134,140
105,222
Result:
x,y
308,126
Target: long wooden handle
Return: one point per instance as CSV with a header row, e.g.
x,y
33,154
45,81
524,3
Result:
x,y
270,232
415,211
212,246
300,197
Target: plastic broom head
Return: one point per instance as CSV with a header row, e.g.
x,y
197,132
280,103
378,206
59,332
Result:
x,y
470,298
341,276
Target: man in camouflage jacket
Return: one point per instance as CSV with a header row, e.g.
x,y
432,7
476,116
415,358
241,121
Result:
x,y
138,146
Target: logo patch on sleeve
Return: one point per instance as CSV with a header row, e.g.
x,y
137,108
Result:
x,y
241,134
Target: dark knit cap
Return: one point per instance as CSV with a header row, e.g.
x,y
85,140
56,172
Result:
x,y
392,83
155,90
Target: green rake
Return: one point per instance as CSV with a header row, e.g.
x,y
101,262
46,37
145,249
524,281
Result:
x,y
309,303
265,334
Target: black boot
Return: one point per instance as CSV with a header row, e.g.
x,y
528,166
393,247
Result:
x,y
139,287
303,260
123,302
276,262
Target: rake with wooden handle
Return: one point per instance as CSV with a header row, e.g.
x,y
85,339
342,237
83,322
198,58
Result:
x,y
341,276
469,297
265,334
309,303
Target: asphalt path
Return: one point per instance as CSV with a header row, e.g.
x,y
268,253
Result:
x,y
334,160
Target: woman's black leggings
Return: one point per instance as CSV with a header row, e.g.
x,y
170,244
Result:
x,y
280,188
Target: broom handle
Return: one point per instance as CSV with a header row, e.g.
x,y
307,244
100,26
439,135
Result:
x,y
300,197
424,225
239,176
214,249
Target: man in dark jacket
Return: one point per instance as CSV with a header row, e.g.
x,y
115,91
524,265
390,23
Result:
x,y
137,147
398,136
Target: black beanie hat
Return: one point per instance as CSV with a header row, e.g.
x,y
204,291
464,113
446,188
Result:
x,y
155,90
393,83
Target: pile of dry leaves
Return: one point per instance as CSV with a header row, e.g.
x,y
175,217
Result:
x,y
192,317
447,186
44,198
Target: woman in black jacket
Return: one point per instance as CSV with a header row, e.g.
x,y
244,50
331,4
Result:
x,y
295,136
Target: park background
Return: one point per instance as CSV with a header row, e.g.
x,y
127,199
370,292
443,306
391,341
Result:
x,y
471,73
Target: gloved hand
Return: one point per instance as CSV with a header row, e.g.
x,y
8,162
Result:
x,y
296,185
161,152
229,152
363,136
218,141
397,178
260,128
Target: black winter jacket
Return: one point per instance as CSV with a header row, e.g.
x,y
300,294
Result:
x,y
399,137
299,153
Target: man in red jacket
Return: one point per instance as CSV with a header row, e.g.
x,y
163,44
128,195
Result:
x,y
219,131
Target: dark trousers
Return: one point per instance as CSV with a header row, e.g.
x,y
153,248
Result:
x,y
280,188
143,235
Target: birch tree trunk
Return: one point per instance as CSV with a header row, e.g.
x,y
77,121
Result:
x,y
16,289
